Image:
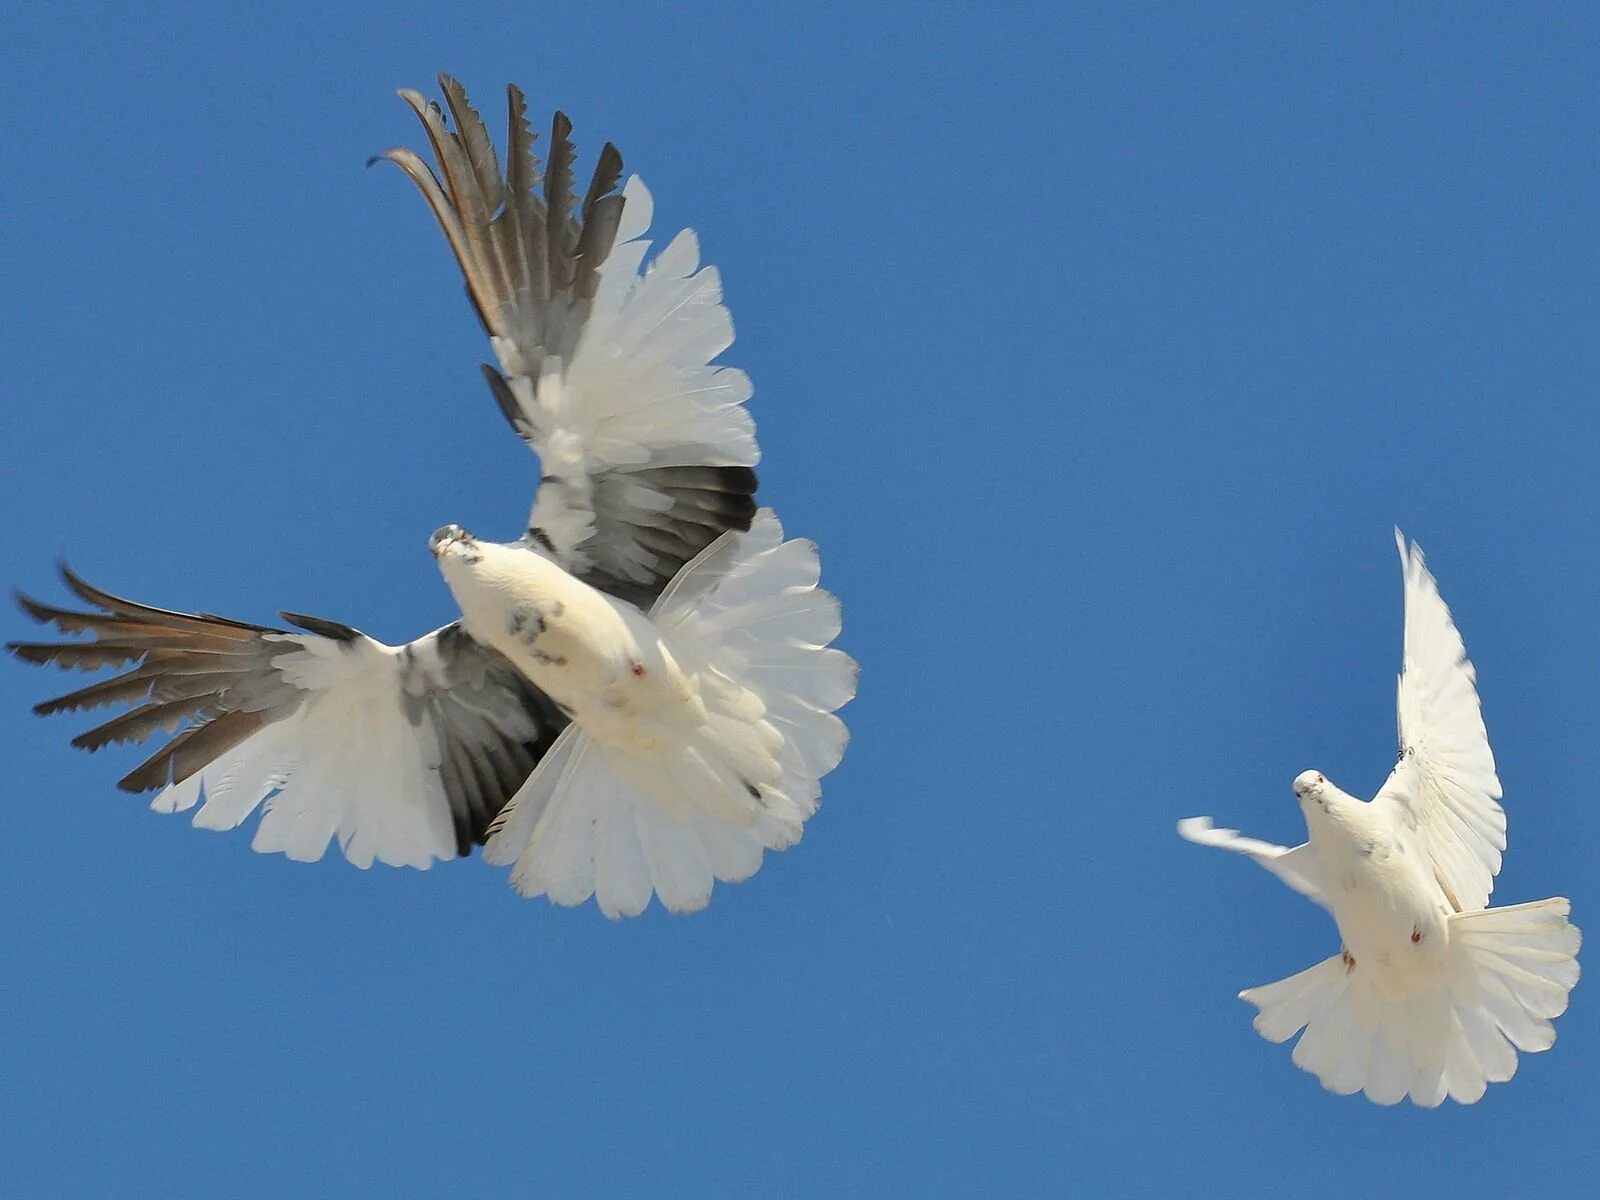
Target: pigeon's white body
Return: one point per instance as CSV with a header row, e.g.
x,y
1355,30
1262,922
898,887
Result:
x,y
1433,992
1391,912
699,730
601,661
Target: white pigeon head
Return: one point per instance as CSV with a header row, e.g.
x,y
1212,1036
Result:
x,y
454,542
1311,785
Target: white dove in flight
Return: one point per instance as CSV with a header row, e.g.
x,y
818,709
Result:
x,y
1433,992
639,696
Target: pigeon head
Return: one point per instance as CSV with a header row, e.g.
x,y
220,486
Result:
x,y
455,550
1309,785
450,538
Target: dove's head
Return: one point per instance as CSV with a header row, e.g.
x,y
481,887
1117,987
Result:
x,y
452,540
1311,787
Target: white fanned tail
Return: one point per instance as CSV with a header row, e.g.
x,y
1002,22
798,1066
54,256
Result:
x,y
748,624
1449,1032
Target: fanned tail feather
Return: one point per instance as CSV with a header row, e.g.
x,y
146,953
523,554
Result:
x,y
748,622
1507,975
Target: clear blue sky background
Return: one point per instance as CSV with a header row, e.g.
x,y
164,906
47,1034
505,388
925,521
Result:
x,y
1099,350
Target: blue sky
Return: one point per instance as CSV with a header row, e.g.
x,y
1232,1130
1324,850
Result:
x,y
1100,350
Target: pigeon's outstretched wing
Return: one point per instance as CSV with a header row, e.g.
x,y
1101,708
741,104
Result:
x,y
1297,867
1445,784
646,448
403,754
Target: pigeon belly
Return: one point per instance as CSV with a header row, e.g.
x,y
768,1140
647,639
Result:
x,y
601,663
610,671
1390,910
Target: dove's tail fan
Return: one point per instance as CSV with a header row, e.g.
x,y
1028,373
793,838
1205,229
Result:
x,y
750,628
1451,1032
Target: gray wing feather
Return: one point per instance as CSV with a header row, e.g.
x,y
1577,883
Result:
x,y
528,262
214,683
532,266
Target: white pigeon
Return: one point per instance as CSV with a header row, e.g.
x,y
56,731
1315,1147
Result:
x,y
1433,992
639,695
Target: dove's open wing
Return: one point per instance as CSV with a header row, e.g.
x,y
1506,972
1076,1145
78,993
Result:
x,y
646,448
1445,782
1296,867
403,754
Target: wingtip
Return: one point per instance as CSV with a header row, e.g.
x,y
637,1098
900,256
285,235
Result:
x,y
88,741
334,630
83,589
135,782
34,608
75,582
1191,829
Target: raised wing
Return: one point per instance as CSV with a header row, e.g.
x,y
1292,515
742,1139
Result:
x,y
403,754
646,448
1296,867
1445,784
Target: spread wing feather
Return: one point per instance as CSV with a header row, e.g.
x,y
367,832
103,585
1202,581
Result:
x,y
1445,783
401,754
605,367
1296,866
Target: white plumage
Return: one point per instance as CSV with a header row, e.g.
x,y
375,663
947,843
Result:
x,y
646,608
348,766
1433,993
641,391
731,744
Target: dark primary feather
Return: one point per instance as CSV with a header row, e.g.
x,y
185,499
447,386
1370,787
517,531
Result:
x,y
560,234
187,668
602,214
214,683
635,551
532,263
481,768
529,262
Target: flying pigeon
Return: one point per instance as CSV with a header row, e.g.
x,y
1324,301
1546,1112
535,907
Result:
x,y
638,697
1433,992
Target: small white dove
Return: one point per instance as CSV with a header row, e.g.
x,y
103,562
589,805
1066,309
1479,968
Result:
x,y
1433,992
